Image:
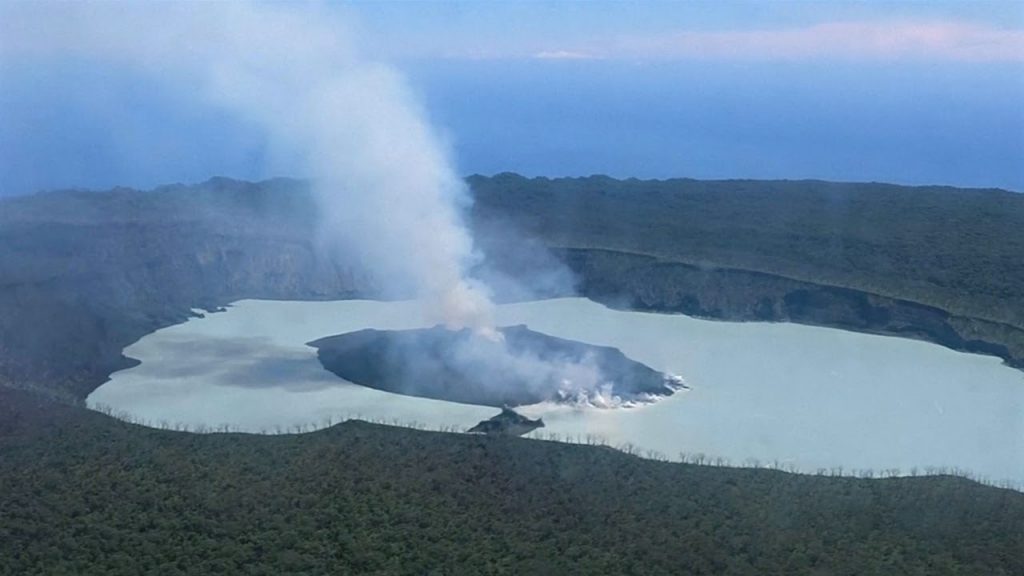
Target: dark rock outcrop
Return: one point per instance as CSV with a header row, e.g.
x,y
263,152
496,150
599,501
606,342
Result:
x,y
507,423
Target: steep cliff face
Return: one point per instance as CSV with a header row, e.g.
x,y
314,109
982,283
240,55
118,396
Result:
x,y
960,250
642,282
81,277
70,331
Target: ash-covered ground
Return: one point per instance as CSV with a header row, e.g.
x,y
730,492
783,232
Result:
x,y
516,368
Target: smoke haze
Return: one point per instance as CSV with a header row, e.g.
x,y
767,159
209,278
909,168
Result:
x,y
390,199
387,189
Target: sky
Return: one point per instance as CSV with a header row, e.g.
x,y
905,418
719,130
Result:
x,y
905,92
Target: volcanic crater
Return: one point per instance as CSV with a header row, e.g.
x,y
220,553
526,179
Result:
x,y
518,367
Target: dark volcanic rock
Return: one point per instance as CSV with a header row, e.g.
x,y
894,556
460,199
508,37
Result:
x,y
508,423
461,366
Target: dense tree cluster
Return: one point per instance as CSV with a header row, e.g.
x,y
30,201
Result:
x,y
959,250
81,493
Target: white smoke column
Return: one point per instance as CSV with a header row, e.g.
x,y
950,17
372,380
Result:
x,y
390,199
388,194
388,191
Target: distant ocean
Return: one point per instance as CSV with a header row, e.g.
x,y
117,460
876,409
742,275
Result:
x,y
960,125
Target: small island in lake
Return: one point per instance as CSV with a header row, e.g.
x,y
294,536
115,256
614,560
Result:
x,y
517,368
507,423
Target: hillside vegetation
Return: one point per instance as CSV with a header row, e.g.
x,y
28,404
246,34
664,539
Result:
x,y
957,249
81,493
938,263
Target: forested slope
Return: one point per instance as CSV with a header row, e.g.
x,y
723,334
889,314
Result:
x,y
958,249
938,263
81,493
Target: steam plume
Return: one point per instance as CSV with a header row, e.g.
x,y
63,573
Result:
x,y
389,196
387,188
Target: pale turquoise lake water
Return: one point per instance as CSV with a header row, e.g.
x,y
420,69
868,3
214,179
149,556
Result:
x,y
797,395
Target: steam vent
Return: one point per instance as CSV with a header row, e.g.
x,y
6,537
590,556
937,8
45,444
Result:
x,y
520,368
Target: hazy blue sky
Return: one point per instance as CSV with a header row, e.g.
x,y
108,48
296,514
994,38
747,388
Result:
x,y
909,92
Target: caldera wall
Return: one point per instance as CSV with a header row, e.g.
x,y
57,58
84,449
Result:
x,y
640,282
85,274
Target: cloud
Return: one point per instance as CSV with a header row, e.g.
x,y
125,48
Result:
x,y
29,29
853,41
564,55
